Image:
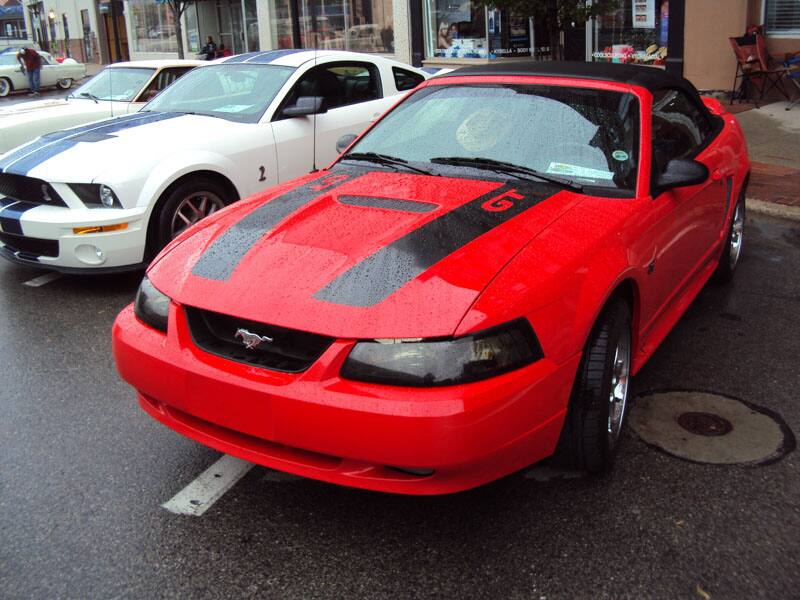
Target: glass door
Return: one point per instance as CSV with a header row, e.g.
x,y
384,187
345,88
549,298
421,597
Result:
x,y
231,30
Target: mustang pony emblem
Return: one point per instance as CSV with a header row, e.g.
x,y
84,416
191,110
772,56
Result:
x,y
251,340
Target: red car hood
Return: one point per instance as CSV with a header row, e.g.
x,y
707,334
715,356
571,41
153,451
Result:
x,y
359,254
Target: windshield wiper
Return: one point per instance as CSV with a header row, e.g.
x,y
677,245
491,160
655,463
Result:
x,y
200,114
500,166
385,159
89,95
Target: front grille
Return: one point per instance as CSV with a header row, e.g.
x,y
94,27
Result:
x,y
29,245
291,351
29,189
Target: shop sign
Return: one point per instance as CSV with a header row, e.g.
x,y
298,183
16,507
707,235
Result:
x,y
644,14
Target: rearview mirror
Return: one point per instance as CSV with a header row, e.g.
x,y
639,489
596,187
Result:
x,y
681,172
306,105
343,142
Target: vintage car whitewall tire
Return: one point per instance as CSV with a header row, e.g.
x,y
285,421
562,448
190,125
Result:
x,y
64,84
5,87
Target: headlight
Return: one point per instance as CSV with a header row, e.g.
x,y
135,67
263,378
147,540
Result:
x,y
96,196
151,306
449,361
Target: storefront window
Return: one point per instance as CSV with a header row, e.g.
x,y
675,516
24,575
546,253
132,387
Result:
x,y
356,25
251,25
281,23
192,30
636,32
458,30
152,26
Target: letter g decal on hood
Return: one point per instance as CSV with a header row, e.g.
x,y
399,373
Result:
x,y
373,279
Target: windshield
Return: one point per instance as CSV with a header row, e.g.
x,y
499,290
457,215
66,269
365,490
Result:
x,y
583,135
237,92
120,84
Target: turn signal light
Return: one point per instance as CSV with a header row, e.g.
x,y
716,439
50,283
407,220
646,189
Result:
x,y
99,228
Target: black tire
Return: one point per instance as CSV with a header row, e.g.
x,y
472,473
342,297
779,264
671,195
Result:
x,y
731,257
586,442
163,220
6,87
64,84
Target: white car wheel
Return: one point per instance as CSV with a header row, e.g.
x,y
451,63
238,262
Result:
x,y
64,84
5,87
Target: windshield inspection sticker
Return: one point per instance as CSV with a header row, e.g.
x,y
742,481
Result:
x,y
557,168
619,155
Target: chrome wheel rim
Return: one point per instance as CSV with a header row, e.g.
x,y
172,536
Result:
x,y
192,209
737,235
618,397
65,83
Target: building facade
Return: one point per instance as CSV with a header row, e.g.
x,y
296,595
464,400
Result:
x,y
685,36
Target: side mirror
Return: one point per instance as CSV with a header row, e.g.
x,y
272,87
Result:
x,y
343,142
682,172
306,105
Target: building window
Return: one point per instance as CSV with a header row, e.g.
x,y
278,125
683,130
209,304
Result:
x,y
635,32
152,26
356,25
455,29
782,17
12,20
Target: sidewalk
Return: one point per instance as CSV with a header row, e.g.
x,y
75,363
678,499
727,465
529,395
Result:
x,y
773,141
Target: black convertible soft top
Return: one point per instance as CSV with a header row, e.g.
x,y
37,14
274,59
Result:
x,y
651,78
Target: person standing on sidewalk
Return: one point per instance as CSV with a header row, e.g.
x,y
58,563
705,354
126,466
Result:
x,y
32,65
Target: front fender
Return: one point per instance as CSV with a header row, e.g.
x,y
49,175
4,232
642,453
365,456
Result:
x,y
562,279
174,167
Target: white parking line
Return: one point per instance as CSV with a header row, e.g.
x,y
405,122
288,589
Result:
x,y
43,279
197,497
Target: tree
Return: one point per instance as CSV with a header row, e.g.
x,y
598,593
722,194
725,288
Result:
x,y
556,14
178,7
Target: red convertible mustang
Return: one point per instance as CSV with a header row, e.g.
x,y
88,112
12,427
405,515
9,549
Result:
x,y
466,291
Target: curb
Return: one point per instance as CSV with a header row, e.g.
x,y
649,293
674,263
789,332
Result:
x,y
775,210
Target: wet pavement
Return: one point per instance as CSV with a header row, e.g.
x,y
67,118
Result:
x,y
83,475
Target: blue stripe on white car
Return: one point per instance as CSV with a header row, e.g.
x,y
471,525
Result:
x,y
21,161
10,217
263,58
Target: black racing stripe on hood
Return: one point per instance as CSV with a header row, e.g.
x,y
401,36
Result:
x,y
376,277
31,156
10,216
221,258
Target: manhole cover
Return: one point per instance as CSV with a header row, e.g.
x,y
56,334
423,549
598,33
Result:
x,y
701,423
710,428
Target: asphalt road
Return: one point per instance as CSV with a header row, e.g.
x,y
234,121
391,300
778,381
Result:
x,y
83,473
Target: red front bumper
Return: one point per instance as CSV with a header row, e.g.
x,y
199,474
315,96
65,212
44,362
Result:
x,y
317,425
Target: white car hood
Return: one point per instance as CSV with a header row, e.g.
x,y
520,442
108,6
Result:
x,y
33,111
133,143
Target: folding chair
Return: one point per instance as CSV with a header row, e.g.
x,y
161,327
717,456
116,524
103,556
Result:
x,y
755,68
772,76
792,62
747,64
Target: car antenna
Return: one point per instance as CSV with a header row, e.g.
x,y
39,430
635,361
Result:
x,y
110,97
314,135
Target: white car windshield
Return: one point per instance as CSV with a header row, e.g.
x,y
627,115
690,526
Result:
x,y
120,84
237,92
583,135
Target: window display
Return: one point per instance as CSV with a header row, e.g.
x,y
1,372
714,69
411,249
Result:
x,y
636,32
152,26
355,25
458,29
